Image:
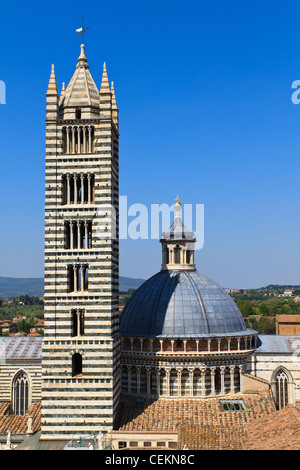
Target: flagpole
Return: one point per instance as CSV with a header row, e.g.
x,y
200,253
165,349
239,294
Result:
x,y
82,31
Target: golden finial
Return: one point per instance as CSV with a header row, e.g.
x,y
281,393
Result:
x,y
177,205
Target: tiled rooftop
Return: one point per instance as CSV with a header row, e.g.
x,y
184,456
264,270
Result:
x,y
21,348
217,429
281,344
278,431
208,437
201,424
17,424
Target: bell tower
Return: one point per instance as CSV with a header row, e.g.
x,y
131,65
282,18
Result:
x,y
80,364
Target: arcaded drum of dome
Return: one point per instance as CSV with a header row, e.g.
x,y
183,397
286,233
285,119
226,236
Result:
x,y
181,304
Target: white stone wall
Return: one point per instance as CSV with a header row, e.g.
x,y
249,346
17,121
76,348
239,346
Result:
x,y
265,365
9,371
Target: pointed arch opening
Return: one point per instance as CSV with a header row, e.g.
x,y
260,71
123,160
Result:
x,y
20,393
281,388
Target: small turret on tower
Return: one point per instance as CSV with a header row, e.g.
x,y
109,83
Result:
x,y
52,97
114,106
62,93
105,96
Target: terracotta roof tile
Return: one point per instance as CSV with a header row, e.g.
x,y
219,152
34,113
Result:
x,y
278,431
17,424
200,423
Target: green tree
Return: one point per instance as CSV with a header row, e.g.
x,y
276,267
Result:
x,y
25,325
263,308
245,308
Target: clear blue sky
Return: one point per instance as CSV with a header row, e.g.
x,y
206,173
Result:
x,y
204,91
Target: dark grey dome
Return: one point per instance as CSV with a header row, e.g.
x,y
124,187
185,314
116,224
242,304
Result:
x,y
181,304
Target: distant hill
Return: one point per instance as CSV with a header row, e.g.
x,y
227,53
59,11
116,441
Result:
x,y
127,283
14,287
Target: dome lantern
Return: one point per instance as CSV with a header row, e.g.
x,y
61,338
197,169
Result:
x,y
178,244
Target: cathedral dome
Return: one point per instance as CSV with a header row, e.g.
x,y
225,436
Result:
x,y
181,304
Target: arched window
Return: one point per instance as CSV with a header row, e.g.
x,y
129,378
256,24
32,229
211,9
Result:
x,y
76,365
185,382
20,393
281,389
143,381
163,382
153,381
237,380
218,380
177,254
124,382
77,323
134,380
78,139
173,382
167,259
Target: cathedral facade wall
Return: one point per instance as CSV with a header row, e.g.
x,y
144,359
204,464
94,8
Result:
x,y
280,370
9,371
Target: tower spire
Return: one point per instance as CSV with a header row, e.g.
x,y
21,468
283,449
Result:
x,y
82,60
105,88
114,106
52,97
52,86
113,97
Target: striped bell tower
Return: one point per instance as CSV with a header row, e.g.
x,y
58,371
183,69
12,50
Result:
x,y
80,367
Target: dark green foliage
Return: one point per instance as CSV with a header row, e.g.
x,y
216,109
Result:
x,y
259,307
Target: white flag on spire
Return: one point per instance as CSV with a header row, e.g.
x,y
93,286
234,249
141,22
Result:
x,y
79,31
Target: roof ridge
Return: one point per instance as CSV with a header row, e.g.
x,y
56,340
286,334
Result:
x,y
295,412
259,379
67,96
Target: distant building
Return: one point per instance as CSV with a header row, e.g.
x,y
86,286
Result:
x,y
287,324
39,326
288,293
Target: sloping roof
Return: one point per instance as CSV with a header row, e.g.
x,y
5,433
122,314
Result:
x,y
171,414
17,424
181,304
281,344
34,443
82,90
18,348
210,437
178,231
278,431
